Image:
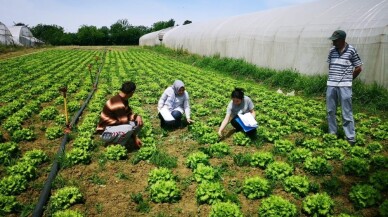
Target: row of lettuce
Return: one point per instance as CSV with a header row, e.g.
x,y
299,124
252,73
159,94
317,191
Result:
x,y
293,150
31,115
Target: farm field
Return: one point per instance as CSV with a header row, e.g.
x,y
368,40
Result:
x,y
293,163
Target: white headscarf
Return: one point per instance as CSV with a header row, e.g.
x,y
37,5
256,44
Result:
x,y
177,85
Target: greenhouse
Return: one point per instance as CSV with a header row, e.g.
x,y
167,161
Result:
x,y
294,37
5,35
23,36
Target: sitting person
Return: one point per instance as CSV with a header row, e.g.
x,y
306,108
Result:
x,y
176,100
118,124
239,104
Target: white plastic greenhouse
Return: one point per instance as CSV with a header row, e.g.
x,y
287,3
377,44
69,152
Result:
x,y
294,37
5,35
154,38
23,36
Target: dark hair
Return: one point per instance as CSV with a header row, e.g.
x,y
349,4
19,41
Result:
x,y
128,87
237,93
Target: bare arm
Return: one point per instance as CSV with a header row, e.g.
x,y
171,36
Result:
x,y
356,72
253,113
224,123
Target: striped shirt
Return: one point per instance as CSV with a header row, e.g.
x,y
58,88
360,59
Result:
x,y
115,112
341,66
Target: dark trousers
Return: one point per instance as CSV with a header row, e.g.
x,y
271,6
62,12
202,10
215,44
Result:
x,y
171,124
238,128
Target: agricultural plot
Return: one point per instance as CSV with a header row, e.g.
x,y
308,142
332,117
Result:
x,y
293,169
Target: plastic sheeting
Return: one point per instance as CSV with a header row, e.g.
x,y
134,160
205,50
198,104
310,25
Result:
x,y
5,35
295,37
153,38
23,36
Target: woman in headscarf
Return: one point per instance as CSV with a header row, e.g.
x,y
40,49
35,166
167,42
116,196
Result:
x,y
239,104
176,100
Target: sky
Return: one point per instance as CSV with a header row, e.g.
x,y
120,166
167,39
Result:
x,y
72,14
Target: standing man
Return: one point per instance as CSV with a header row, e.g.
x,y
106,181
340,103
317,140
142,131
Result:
x,y
118,124
344,67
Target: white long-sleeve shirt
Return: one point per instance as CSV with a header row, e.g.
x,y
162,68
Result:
x,y
175,102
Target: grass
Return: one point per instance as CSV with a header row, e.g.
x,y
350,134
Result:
x,y
366,97
162,159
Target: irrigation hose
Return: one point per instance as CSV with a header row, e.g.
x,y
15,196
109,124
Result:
x,y
45,193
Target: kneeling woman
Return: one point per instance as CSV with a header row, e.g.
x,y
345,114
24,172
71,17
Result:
x,y
176,100
239,104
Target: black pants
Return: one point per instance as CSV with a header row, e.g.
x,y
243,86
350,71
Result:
x,y
238,127
171,124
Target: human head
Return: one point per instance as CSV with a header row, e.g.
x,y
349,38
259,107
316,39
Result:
x,y
179,87
128,88
338,37
237,96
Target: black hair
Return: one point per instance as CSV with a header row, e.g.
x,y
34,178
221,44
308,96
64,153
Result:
x,y
128,87
237,93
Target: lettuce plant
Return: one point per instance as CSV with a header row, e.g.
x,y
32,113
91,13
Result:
x,y
8,204
222,209
355,166
8,151
209,192
67,213
298,155
78,155
204,173
357,151
364,196
374,147
278,170
379,161
208,138
277,206
199,129
379,180
65,197
84,143
319,204
219,149
256,187
116,152
333,153
283,146
13,184
144,153
383,209
240,138
23,135
35,157
12,124
297,185
48,113
160,174
195,158
261,159
312,144
54,132
23,168
317,166
164,192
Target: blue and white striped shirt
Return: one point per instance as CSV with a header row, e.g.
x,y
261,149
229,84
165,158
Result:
x,y
341,66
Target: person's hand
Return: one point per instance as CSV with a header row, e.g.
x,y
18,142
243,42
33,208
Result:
x,y
220,134
189,121
139,120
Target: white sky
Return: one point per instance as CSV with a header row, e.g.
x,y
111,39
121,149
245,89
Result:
x,y
71,14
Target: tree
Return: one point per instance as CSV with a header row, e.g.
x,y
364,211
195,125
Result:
x,y
186,22
162,25
51,34
89,35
